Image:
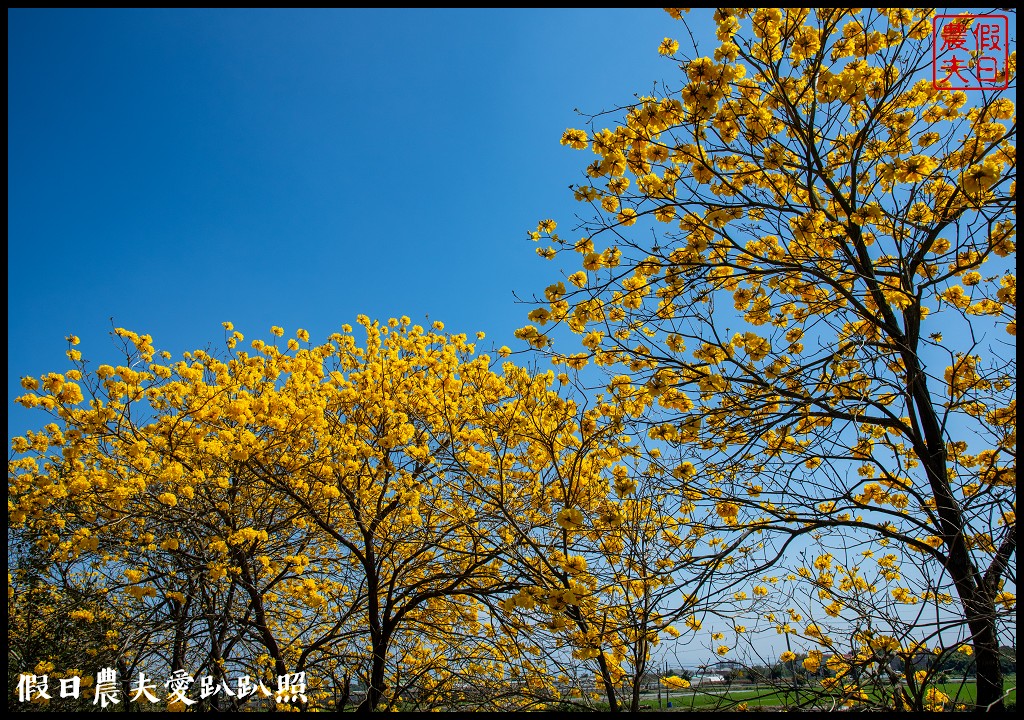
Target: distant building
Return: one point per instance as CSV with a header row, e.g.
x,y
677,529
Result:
x,y
707,679
650,681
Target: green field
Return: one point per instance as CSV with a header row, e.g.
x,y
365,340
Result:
x,y
966,692
768,696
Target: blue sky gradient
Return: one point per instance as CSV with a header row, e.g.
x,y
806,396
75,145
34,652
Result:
x,y
173,169
169,170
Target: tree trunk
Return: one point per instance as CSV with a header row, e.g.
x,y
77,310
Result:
x,y
346,692
982,622
375,689
609,686
976,597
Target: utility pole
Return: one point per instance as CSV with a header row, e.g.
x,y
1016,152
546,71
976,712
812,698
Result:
x,y
668,703
792,670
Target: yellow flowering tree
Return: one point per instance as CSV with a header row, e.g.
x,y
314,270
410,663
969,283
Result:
x,y
592,545
804,253
396,452
145,494
300,508
58,629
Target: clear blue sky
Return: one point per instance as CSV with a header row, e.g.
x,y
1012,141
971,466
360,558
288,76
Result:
x,y
169,170
173,169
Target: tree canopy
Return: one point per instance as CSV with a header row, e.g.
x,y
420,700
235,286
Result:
x,y
799,258
783,402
